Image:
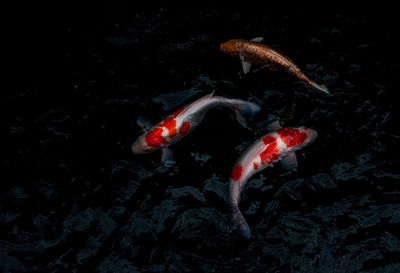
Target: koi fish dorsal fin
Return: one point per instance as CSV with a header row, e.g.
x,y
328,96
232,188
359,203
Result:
x,y
274,125
258,39
211,94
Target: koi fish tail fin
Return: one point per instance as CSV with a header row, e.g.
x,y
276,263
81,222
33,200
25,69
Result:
x,y
240,223
320,87
244,110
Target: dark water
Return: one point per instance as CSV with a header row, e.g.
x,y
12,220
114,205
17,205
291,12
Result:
x,y
78,200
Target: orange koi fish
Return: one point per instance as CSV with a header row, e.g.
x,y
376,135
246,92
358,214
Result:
x,y
253,52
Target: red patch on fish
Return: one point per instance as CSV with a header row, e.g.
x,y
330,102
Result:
x,y
237,172
271,152
184,128
268,139
170,124
292,136
154,137
165,121
255,165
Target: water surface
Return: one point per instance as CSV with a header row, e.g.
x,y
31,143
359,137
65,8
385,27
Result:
x,y
79,200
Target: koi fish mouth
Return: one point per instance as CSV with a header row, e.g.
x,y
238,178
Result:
x,y
312,135
223,47
140,147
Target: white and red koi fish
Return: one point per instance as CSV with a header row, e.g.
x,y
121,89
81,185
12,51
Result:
x,y
253,52
278,145
177,125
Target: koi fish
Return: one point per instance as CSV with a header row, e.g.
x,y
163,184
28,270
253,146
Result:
x,y
280,144
253,52
180,123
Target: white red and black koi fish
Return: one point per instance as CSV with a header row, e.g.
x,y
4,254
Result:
x,y
253,52
177,125
277,145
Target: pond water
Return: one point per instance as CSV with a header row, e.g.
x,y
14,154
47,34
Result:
x,y
78,199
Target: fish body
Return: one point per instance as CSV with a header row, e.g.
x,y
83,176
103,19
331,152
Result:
x,y
180,123
275,146
252,52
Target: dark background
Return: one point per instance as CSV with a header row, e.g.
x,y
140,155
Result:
x,y
74,198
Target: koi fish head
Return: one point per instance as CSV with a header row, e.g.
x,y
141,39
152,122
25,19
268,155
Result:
x,y
140,146
311,135
155,139
297,138
230,47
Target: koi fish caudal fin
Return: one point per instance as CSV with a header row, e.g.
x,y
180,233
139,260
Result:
x,y
320,87
240,223
244,110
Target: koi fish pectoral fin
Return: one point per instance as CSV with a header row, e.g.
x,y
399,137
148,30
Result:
x,y
244,110
258,39
245,64
246,67
144,123
289,162
274,125
167,157
241,119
